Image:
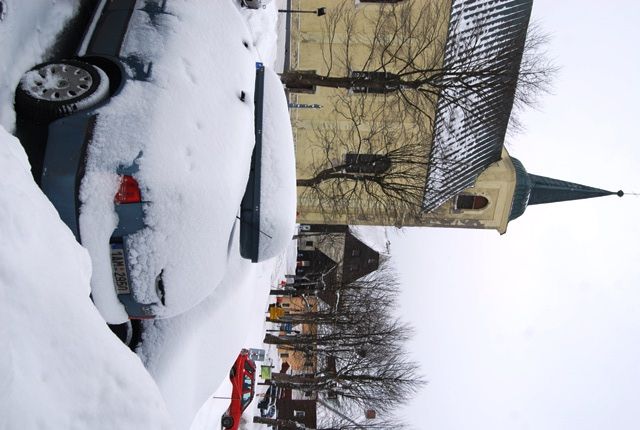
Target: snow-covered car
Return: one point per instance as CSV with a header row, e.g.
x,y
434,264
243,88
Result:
x,y
267,405
148,152
243,381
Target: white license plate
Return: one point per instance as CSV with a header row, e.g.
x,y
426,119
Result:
x,y
119,270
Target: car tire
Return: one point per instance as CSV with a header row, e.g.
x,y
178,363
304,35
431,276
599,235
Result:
x,y
227,422
59,88
130,332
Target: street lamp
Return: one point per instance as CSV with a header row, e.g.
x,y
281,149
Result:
x,y
319,12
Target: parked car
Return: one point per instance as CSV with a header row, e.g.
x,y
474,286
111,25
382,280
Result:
x,y
242,376
267,405
148,260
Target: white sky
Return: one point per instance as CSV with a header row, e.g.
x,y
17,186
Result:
x,y
539,328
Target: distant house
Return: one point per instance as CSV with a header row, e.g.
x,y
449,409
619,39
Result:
x,y
302,411
328,255
332,253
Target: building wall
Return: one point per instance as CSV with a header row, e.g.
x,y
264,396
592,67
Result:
x,y
300,411
298,361
497,184
309,51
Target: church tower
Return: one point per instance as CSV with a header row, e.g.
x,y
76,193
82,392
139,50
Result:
x,y
500,194
533,190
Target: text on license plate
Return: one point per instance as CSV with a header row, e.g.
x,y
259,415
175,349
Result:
x,y
119,270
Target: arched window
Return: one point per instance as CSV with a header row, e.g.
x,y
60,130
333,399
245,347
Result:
x,y
373,164
466,201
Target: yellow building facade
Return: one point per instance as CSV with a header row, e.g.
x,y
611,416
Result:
x,y
399,111
331,124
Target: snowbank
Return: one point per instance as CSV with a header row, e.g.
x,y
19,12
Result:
x,y
190,355
60,366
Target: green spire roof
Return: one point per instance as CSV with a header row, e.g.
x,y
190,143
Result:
x,y
534,189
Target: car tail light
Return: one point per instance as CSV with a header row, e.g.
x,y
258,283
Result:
x,y
129,191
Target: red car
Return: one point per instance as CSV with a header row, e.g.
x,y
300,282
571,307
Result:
x,y
243,378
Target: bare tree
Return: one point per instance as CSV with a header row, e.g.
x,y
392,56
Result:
x,y
357,343
416,52
373,151
419,63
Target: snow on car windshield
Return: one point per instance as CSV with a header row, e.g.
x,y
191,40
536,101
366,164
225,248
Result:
x,y
278,185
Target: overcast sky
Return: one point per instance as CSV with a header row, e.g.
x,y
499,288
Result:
x,y
540,328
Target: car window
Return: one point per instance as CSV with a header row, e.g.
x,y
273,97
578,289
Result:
x,y
246,399
247,383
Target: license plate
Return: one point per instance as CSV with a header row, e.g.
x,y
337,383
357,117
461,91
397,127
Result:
x,y
119,270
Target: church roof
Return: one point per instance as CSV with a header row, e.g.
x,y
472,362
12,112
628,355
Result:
x,y
487,35
533,189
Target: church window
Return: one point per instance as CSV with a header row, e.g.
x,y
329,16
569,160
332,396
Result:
x,y
374,164
302,87
384,81
466,201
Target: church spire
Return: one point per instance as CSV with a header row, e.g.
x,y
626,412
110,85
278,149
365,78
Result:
x,y
533,190
548,190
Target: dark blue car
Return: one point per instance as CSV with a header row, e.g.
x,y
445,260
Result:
x,y
65,95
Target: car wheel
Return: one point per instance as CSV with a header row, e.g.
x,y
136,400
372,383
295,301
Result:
x,y
227,422
59,88
130,332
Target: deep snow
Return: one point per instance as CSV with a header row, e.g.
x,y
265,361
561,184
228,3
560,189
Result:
x,y
61,367
191,136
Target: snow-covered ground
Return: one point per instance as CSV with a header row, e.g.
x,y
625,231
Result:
x,y
61,367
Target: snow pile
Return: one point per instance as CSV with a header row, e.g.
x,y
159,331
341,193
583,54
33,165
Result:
x,y
262,24
60,366
189,356
22,47
191,136
278,185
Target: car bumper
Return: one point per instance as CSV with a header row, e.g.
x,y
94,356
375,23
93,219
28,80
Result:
x,y
63,170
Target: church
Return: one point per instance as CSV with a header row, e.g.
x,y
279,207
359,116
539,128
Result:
x,y
401,110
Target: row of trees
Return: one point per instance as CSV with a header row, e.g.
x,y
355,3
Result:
x,y
358,345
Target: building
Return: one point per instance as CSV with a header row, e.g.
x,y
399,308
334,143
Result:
x,y
331,254
391,137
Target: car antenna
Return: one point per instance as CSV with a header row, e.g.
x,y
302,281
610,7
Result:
x,y
246,222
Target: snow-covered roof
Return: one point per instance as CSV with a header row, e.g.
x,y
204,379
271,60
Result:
x,y
484,36
375,237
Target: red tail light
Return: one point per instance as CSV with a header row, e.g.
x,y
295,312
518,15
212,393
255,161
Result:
x,y
129,191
